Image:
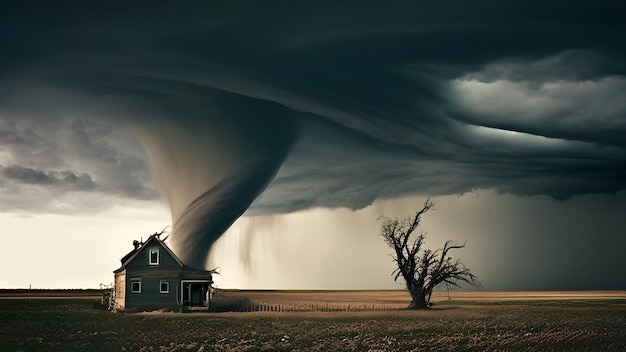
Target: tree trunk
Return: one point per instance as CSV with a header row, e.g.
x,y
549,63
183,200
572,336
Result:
x,y
419,298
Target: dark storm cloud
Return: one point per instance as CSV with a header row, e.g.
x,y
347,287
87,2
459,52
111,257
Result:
x,y
54,178
390,99
26,175
66,156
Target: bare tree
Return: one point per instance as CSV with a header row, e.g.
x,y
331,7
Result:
x,y
422,269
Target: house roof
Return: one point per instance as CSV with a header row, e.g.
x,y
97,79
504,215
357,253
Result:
x,y
130,254
142,246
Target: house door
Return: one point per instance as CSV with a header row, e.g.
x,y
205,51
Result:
x,y
195,294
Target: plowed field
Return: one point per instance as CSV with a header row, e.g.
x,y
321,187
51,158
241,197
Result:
x,y
326,321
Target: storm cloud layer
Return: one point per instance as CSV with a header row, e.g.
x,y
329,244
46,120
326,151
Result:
x,y
361,101
68,166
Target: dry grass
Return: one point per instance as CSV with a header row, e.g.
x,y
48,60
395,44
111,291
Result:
x,y
334,301
588,322
308,301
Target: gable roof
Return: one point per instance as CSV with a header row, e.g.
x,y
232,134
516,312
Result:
x,y
135,252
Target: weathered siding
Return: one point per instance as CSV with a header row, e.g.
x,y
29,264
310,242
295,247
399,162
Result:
x,y
151,275
150,296
142,260
120,290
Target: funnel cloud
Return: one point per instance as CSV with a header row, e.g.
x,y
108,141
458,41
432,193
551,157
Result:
x,y
210,167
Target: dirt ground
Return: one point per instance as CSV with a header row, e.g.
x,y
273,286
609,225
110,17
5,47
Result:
x,y
325,321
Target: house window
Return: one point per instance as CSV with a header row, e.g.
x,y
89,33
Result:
x,y
165,287
135,286
154,257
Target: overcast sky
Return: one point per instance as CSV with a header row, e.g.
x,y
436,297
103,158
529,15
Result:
x,y
301,124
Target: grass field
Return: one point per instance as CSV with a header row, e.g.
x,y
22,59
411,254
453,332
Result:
x,y
326,321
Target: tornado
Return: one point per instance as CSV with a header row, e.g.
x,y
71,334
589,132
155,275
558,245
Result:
x,y
210,162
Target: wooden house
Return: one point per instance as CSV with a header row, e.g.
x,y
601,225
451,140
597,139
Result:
x,y
152,277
